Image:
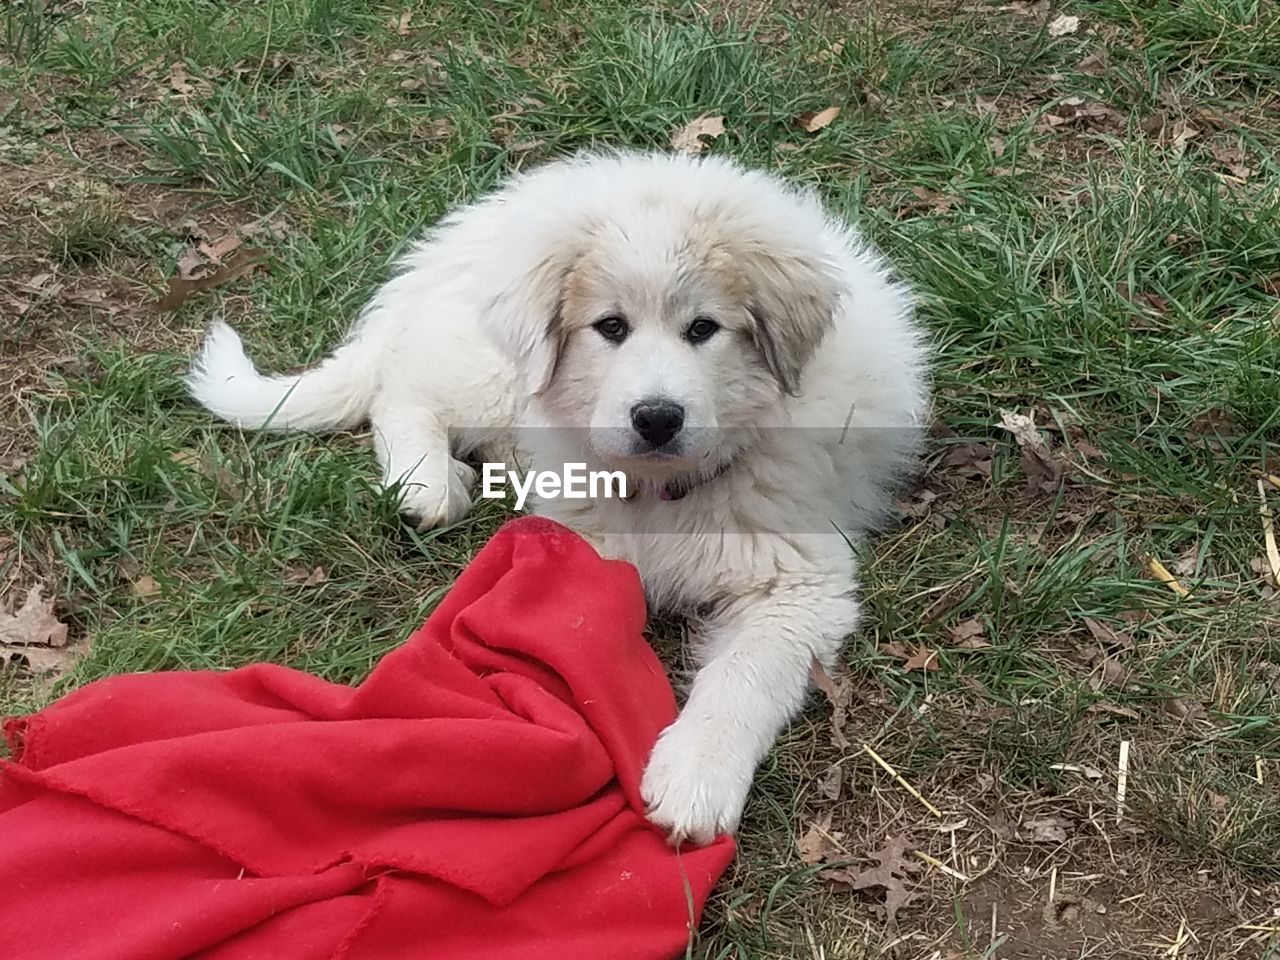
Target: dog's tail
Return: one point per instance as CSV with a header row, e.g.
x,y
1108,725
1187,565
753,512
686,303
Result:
x,y
335,394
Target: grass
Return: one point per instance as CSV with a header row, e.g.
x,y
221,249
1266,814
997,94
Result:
x,y
1113,271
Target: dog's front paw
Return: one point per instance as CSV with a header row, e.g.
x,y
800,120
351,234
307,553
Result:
x,y
437,504
690,792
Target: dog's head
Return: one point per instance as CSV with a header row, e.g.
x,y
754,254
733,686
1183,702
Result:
x,y
672,320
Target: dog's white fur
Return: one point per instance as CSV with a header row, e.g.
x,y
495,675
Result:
x,y
800,413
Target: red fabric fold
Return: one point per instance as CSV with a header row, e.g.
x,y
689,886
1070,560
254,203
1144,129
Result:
x,y
477,796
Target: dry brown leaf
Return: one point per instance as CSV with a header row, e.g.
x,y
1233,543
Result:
x,y
1181,133
191,264
1037,9
1042,470
818,844
688,139
145,586
930,201
33,623
813,121
402,25
205,465
306,578
969,635
921,659
987,105
240,263
1152,300
1063,24
831,783
1233,158
1044,828
1185,565
970,460
219,249
839,695
890,872
179,82
39,660
1108,636
894,649
1111,673
1095,64
1113,708
1183,709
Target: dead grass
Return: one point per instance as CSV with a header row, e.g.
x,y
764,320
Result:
x,y
1091,221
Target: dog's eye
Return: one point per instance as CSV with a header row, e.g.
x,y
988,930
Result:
x,y
613,329
702,328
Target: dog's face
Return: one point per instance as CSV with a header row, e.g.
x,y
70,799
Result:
x,y
667,333
656,354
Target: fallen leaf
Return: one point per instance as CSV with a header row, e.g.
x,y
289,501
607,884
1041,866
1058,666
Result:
x,y
1181,133
818,844
987,105
1089,115
33,623
145,586
1092,773
688,139
894,649
1108,636
1062,25
1185,565
219,249
1233,158
1095,64
1104,707
1111,673
831,783
179,82
206,466
1042,470
1044,828
969,635
307,578
813,121
922,659
242,262
1039,9
970,460
1153,301
931,201
839,695
1181,709
1218,801
401,25
1262,567
892,867
38,660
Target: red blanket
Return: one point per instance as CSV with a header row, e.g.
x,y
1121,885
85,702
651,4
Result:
x,y
475,797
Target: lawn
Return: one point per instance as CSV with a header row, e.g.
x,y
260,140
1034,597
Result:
x,y
1087,197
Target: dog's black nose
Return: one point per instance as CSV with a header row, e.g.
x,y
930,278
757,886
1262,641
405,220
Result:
x,y
657,421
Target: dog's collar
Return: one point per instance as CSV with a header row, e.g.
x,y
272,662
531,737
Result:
x,y
681,487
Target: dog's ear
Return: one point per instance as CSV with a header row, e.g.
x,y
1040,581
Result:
x,y
792,302
527,323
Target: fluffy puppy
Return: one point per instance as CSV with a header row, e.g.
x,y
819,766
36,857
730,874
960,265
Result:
x,y
740,356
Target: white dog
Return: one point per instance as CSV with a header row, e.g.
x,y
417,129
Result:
x,y
743,358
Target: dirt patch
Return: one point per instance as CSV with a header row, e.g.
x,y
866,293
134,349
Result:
x,y
82,263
